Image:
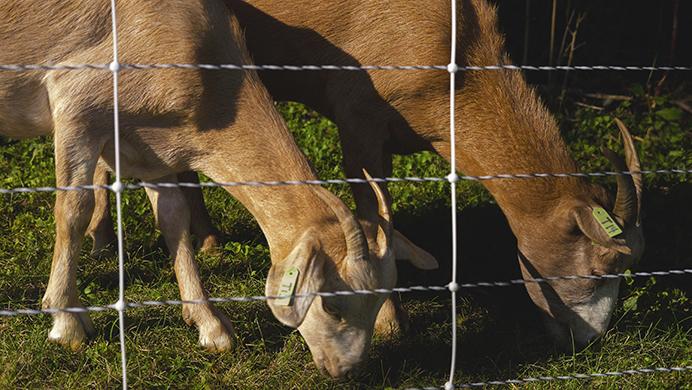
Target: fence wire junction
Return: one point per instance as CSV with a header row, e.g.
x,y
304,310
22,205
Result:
x,y
281,183
411,289
452,287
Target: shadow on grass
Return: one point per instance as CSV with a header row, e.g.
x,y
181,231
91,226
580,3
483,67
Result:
x,y
500,327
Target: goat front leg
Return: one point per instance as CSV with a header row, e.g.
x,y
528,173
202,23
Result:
x,y
392,319
75,161
208,237
101,226
173,217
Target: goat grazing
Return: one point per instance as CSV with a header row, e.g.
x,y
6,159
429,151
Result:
x,y
222,124
502,127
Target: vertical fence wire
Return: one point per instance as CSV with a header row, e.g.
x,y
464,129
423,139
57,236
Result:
x,y
453,178
117,188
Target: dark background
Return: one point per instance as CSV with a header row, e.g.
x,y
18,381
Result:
x,y
612,32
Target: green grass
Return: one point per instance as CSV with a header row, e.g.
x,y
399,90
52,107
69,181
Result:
x,y
500,335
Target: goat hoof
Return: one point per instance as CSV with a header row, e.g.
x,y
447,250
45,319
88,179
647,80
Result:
x,y
104,244
71,330
100,252
217,335
88,324
210,244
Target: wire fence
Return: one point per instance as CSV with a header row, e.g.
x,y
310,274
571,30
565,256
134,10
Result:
x,y
589,376
379,291
282,183
452,287
357,68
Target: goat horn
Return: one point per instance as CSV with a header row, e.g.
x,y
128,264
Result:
x,y
628,200
385,229
356,245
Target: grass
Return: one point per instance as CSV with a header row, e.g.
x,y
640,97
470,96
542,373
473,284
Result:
x,y
500,335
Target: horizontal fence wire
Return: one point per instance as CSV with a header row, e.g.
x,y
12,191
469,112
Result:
x,y
73,67
280,183
589,376
251,298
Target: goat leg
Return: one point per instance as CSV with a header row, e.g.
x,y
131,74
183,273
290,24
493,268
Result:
x,y
101,226
208,237
72,212
173,217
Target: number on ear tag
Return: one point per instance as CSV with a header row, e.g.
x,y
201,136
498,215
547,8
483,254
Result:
x,y
287,287
607,223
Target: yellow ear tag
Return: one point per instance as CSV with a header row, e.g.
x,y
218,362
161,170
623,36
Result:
x,y
287,287
607,223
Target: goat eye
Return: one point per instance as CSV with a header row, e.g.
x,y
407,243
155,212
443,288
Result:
x,y
331,309
575,230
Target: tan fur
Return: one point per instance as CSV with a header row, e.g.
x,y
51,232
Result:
x,y
223,124
502,127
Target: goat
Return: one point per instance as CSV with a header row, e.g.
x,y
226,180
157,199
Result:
x,y
502,127
222,124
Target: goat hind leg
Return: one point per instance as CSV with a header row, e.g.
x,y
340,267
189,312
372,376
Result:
x,y
173,217
208,237
392,320
101,228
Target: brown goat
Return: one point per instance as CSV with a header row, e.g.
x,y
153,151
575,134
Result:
x,y
223,124
502,127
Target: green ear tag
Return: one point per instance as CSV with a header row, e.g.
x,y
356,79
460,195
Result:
x,y
287,287
607,223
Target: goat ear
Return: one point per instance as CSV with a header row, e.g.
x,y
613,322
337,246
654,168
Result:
x,y
300,273
596,232
406,250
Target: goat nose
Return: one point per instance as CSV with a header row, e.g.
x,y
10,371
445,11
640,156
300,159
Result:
x,y
355,372
336,368
348,371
